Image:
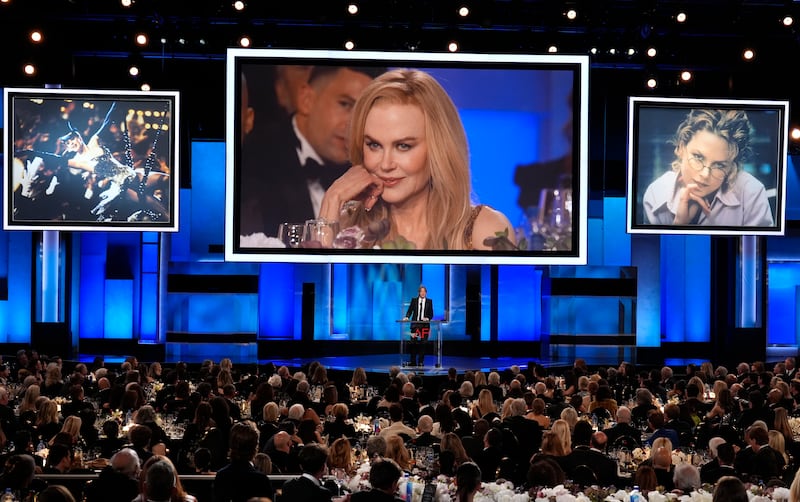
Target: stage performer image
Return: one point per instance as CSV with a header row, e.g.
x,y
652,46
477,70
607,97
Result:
x,y
420,308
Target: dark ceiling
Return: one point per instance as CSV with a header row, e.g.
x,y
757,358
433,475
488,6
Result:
x,y
89,43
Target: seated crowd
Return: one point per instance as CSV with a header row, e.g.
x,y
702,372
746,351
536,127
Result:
x,y
146,428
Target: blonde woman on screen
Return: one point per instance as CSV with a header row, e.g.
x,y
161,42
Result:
x,y
707,184
409,187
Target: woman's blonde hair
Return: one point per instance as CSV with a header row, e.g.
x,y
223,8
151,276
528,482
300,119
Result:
x,y
271,412
449,194
48,413
340,455
28,403
397,451
778,443
72,426
486,402
563,430
452,442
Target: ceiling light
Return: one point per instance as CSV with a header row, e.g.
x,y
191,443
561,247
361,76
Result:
x,y
552,49
133,71
681,17
787,21
238,5
141,39
652,83
29,69
571,14
651,52
244,41
463,11
352,9
686,76
145,87
748,54
36,36
126,3
349,45
452,46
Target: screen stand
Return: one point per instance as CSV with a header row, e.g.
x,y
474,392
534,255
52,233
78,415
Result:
x,y
50,279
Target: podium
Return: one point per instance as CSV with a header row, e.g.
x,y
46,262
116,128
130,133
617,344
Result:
x,y
434,337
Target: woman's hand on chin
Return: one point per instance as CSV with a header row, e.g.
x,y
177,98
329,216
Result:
x,y
355,184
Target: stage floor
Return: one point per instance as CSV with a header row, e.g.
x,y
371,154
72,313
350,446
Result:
x,y
382,363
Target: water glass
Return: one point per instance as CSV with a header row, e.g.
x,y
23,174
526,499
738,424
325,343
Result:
x,y
320,233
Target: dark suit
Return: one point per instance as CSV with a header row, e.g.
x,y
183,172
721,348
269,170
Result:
x,y
303,489
239,481
274,185
419,330
604,467
374,495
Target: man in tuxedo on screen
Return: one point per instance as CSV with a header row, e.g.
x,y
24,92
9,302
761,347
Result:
x,y
420,308
288,164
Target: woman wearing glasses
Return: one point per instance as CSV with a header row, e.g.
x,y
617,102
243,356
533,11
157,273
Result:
x,y
707,184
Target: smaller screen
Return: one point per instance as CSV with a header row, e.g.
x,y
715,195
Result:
x,y
706,166
90,160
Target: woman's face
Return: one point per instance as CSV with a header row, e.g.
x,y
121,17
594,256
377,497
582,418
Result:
x,y
709,150
396,151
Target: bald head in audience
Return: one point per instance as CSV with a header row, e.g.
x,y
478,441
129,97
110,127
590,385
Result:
x,y
282,441
425,424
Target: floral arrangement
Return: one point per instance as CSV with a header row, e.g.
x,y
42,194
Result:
x,y
794,423
260,240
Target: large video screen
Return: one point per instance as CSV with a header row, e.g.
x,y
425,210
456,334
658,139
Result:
x,y
373,157
707,166
90,160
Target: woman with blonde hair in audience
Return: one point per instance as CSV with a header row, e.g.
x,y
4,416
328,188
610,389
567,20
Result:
x,y
263,463
484,407
782,425
72,426
570,415
723,404
359,377
47,423
794,489
506,411
778,444
340,456
563,430
397,451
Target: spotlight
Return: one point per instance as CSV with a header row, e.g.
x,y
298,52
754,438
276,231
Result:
x,y
29,69
133,71
244,41
238,5
452,46
126,3
748,54
612,51
631,51
787,21
349,45
145,87
651,52
463,11
352,9
571,14
141,39
681,17
552,49
795,133
651,83
36,36
686,76
5,1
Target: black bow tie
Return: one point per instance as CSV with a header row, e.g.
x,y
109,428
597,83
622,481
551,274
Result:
x,y
325,173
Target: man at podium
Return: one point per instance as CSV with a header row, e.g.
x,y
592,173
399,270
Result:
x,y
420,308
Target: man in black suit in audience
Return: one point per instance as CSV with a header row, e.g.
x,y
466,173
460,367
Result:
x,y
384,477
492,453
308,487
720,466
623,428
460,415
582,454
